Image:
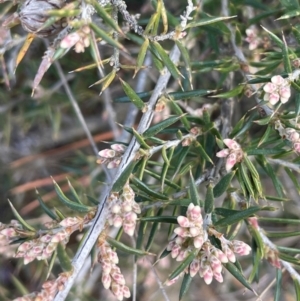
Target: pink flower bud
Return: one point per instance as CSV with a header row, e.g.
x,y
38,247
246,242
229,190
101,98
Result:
x,y
126,292
117,290
106,280
119,147
194,213
46,238
69,221
278,80
195,231
230,161
285,94
241,248
175,251
198,241
107,153
273,98
215,264
296,146
117,221
207,274
183,221
223,153
70,40
28,259
194,267
182,255
115,209
183,232
228,252
231,144
218,277
114,163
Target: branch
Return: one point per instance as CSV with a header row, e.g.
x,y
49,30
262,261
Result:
x,y
100,218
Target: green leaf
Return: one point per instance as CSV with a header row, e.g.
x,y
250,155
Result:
x,y
202,152
155,129
193,191
209,200
181,202
178,111
256,261
105,81
166,60
20,219
68,202
237,274
293,178
290,14
269,170
266,135
297,288
134,98
263,151
44,207
207,21
184,264
186,58
278,285
159,177
297,104
153,230
105,16
290,4
280,220
264,121
295,86
122,247
123,178
286,59
289,258
185,285
140,139
141,56
223,184
64,259
238,216
282,234
74,193
246,179
274,38
232,93
145,188
102,34
160,219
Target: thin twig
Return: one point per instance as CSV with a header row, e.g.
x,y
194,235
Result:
x,y
76,107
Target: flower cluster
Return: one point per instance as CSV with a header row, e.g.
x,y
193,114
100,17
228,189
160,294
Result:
x,y
42,247
9,232
112,157
252,38
290,134
49,290
233,153
192,236
111,274
277,89
124,210
79,38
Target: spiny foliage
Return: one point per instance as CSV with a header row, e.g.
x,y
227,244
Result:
x,y
209,174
